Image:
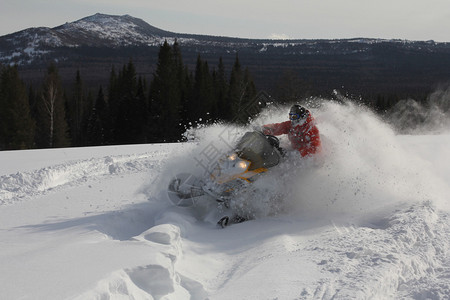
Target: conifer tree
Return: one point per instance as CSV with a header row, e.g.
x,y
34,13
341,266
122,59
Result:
x,y
33,103
140,116
113,106
16,125
221,90
237,89
250,93
125,127
76,111
89,103
164,98
204,105
96,127
184,81
241,94
186,95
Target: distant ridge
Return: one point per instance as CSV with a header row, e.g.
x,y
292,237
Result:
x,y
361,65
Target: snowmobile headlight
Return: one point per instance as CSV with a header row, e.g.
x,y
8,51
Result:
x,y
232,156
243,164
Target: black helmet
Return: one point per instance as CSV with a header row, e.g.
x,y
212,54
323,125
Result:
x,y
297,112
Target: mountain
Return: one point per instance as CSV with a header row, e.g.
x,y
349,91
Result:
x,y
95,43
30,46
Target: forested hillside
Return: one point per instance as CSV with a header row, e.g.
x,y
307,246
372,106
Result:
x,y
128,109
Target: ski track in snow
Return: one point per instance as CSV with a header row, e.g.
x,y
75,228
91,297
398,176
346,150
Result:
x,y
24,185
396,252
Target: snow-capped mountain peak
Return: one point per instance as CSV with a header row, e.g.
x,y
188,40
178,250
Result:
x,y
107,30
99,30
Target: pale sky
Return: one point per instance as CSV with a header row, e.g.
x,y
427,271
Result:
x,y
294,19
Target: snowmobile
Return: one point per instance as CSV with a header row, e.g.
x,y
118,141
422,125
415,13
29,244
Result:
x,y
231,176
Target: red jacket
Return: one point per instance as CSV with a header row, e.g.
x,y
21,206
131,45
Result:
x,y
303,137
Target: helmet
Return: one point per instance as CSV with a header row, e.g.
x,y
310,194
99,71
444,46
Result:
x,y
297,112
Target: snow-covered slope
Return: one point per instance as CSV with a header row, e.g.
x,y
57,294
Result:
x,y
99,30
370,220
114,31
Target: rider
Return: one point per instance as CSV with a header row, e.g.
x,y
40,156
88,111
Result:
x,y
301,130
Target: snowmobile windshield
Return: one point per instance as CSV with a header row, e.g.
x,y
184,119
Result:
x,y
255,147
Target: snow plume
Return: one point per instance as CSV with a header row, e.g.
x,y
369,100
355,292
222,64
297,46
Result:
x,y
363,168
208,143
412,117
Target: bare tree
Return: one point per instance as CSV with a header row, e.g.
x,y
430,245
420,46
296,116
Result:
x,y
49,97
53,129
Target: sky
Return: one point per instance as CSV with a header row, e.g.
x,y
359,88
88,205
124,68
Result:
x,y
290,19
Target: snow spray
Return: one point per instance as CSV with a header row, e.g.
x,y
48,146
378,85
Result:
x,y
363,167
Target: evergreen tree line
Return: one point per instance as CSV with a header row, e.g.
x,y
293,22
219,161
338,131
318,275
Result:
x,y
130,110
